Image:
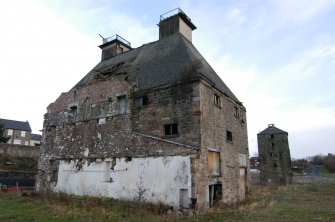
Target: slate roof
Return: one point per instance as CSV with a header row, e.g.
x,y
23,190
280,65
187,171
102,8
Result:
x,y
36,137
168,60
272,130
15,125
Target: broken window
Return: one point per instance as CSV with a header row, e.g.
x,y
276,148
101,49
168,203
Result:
x,y
171,129
122,104
236,111
217,101
213,165
229,136
74,113
141,101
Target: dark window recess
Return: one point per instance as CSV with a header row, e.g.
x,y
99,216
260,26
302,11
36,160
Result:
x,y
171,129
271,154
272,144
122,104
229,136
74,112
217,100
272,136
141,101
275,165
281,155
236,112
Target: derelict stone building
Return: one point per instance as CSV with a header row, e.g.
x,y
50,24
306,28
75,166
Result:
x,y
274,156
154,121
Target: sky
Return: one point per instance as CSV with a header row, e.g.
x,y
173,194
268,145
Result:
x,y
277,56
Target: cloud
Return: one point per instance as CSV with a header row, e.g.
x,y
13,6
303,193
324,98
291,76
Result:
x,y
41,57
301,11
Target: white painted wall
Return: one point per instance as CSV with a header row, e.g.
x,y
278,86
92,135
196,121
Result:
x,y
161,177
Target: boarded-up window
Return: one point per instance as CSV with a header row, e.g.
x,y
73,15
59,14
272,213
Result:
x,y
242,160
213,163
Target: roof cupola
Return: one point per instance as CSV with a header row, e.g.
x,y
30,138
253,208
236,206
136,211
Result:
x,y
175,21
113,46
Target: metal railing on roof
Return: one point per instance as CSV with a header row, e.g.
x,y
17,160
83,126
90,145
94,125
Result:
x,y
115,37
173,12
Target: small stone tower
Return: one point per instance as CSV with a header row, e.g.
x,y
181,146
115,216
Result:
x,y
274,156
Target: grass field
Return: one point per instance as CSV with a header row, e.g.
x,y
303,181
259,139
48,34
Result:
x,y
299,202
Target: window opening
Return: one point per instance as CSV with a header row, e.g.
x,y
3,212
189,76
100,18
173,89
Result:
x,y
17,141
272,136
23,133
74,112
236,111
280,154
229,136
10,132
171,129
122,104
217,100
141,101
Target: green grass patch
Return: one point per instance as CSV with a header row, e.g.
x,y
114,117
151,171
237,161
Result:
x,y
299,202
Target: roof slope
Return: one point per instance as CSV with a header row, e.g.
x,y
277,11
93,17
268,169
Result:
x,y
165,61
15,125
272,130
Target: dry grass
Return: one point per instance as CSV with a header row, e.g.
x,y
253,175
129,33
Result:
x,y
299,202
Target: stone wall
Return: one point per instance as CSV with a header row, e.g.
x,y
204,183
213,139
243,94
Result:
x,y
85,126
216,120
275,159
19,150
96,129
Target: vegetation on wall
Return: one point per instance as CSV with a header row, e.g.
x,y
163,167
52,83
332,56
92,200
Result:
x,y
3,138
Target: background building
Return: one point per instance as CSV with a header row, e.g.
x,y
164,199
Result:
x,y
20,133
274,156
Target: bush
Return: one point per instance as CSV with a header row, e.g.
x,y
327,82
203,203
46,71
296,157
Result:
x,y
329,163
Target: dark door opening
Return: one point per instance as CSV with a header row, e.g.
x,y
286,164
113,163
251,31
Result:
x,y
215,194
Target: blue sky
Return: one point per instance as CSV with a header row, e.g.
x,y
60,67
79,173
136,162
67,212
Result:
x,y
277,56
